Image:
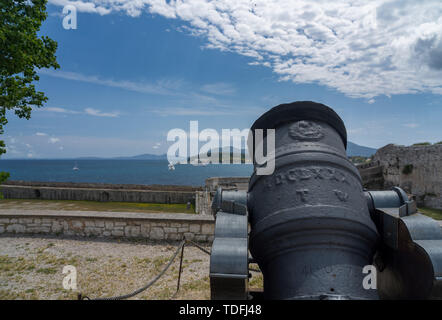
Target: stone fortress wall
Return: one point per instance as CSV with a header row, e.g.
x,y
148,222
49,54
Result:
x,y
416,169
98,192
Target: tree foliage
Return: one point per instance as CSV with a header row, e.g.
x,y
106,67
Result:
x,y
22,51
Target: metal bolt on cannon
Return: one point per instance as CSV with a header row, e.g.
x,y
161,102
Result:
x,y
312,226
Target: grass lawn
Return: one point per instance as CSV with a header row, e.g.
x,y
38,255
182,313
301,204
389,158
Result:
x,y
28,204
432,213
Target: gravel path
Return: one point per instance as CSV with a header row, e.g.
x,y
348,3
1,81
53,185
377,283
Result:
x,y
31,268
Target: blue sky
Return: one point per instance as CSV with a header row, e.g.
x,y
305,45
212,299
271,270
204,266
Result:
x,y
132,71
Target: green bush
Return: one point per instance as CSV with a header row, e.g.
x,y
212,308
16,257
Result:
x,y
407,169
3,177
422,144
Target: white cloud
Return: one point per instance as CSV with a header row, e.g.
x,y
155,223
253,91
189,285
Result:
x,y
41,134
98,113
162,87
220,88
87,111
53,140
81,6
411,125
361,48
179,111
59,110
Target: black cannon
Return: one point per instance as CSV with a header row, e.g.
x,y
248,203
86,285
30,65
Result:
x,y
311,227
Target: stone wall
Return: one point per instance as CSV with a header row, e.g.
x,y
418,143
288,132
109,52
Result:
x,y
240,183
371,175
203,202
96,194
95,185
112,225
416,169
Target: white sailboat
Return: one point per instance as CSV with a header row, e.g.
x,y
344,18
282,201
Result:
x,y
75,168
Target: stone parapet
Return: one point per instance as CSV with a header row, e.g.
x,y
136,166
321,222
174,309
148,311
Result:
x,y
156,226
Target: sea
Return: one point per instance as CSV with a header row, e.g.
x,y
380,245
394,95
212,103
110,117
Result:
x,y
120,171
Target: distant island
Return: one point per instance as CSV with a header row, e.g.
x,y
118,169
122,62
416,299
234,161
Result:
x,y
353,150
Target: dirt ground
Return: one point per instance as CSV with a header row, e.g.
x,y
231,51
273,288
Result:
x,y
31,268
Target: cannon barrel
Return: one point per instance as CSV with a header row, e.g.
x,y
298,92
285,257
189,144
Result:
x,y
311,232
313,228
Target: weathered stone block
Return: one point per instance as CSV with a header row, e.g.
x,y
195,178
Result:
x,y
195,228
200,238
132,231
92,231
159,224
189,235
174,236
170,230
109,225
39,229
157,233
77,225
89,223
15,228
145,230
57,226
117,233
176,224
99,223
208,229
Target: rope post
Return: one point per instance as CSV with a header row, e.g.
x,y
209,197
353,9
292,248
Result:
x,y
181,265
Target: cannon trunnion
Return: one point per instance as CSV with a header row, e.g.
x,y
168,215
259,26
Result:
x,y
312,228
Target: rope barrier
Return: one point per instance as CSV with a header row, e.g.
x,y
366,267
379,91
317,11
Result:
x,y
144,288
134,293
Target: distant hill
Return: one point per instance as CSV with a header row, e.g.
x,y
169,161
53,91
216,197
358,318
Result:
x,y
145,156
354,149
